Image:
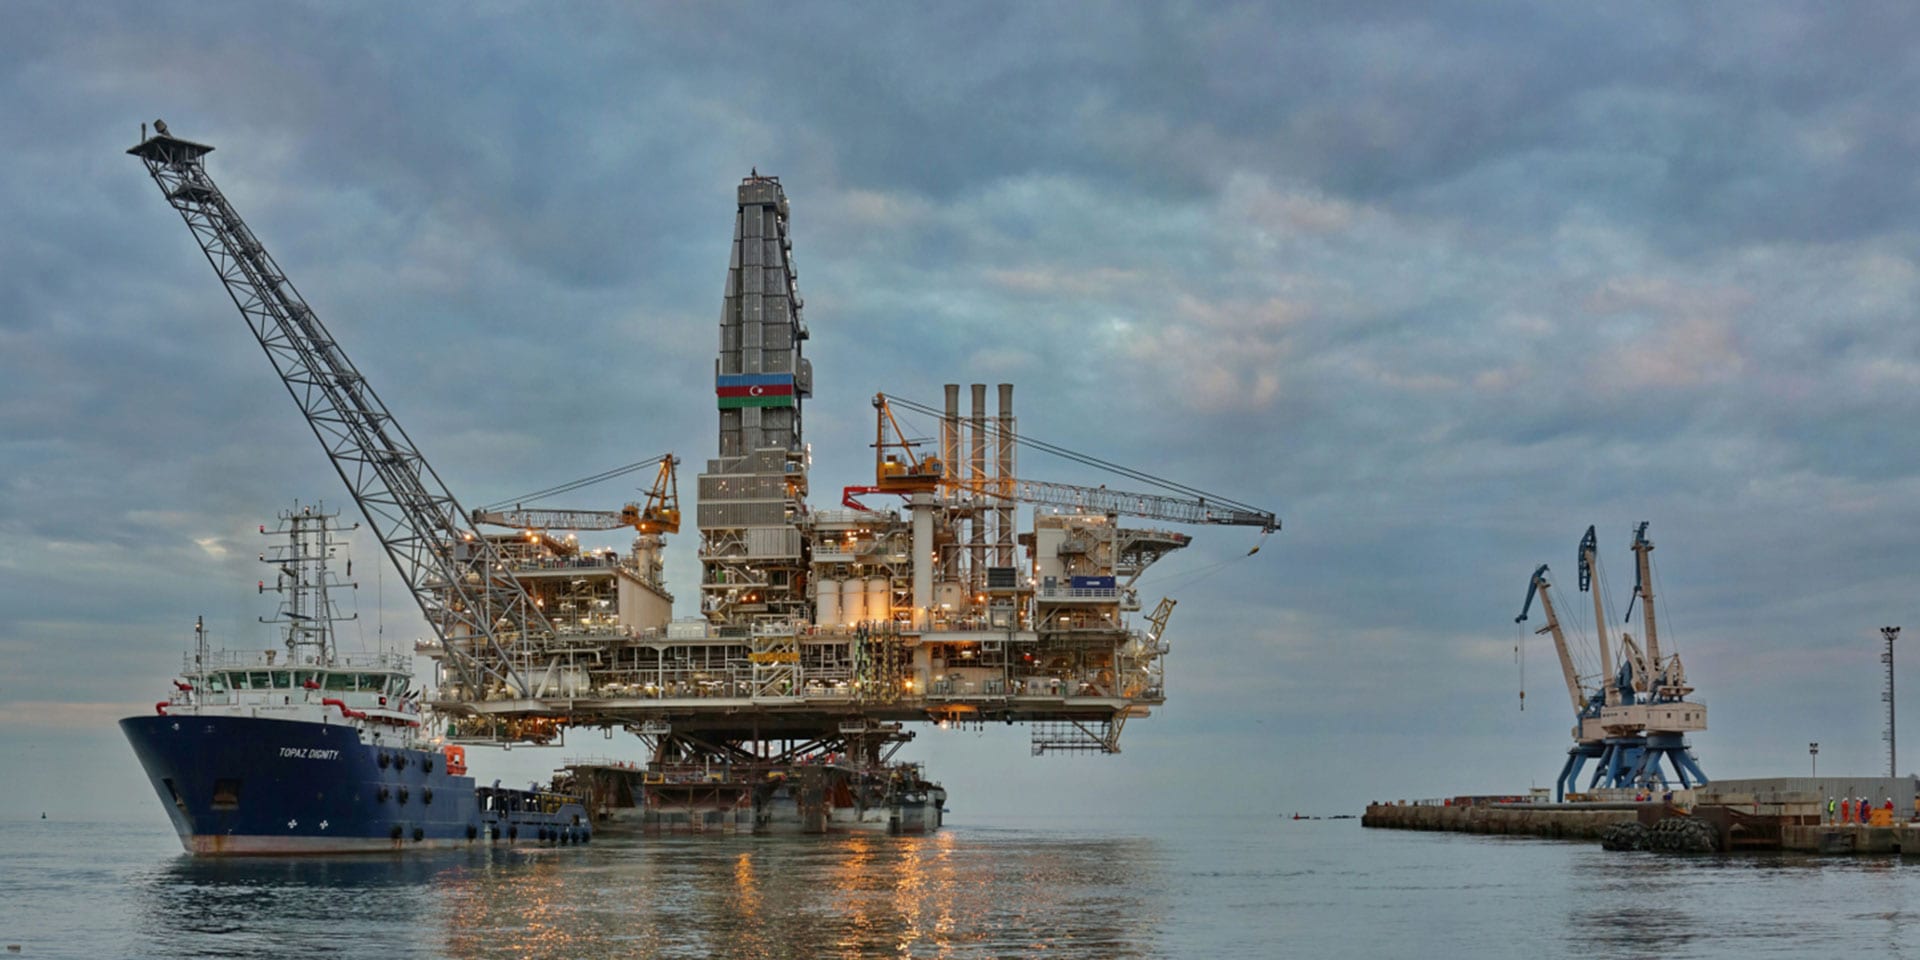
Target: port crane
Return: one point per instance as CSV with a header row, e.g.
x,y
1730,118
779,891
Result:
x,y
1589,742
1634,717
491,635
1659,688
907,472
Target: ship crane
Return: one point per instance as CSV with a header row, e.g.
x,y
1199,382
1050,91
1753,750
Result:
x,y
483,617
1634,723
907,473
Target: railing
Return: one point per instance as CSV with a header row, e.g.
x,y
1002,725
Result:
x,y
854,516
599,762
273,660
586,562
1077,593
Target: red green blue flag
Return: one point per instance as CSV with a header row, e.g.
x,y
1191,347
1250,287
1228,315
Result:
x,y
737,390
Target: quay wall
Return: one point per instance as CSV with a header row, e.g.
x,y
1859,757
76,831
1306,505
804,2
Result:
x,y
1851,838
1558,821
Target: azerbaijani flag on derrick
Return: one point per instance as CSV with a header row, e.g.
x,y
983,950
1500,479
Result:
x,y
738,390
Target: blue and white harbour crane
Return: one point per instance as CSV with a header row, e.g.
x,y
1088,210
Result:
x,y
1632,718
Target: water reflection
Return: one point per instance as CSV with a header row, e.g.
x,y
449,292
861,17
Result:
x,y
269,906
953,894
1649,898
854,896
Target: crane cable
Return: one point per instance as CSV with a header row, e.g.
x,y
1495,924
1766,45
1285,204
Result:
x,y
1582,651
1177,579
1520,657
1672,649
573,485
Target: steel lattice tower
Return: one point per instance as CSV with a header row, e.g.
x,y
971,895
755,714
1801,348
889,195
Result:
x,y
1893,753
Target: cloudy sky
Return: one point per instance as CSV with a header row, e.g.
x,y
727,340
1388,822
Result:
x,y
1441,285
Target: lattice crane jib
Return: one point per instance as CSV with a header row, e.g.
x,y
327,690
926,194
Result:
x,y
484,618
1182,504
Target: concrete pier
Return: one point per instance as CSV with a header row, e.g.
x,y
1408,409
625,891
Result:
x,y
1851,839
1565,821
1773,814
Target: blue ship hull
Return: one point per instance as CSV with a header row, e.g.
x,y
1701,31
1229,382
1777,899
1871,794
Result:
x,y
245,785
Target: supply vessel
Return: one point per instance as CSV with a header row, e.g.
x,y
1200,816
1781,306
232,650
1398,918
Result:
x,y
308,750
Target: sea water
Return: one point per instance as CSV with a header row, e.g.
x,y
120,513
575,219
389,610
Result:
x,y
1047,887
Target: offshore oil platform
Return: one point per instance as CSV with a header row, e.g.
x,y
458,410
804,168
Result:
x,y
823,633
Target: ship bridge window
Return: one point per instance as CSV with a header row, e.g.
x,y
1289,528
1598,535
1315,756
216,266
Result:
x,y
282,679
396,685
374,682
217,683
260,680
339,681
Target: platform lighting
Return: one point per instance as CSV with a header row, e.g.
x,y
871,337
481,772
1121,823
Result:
x,y
1813,753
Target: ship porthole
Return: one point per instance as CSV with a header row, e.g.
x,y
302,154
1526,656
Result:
x,y
395,832
426,796
418,834
384,761
472,831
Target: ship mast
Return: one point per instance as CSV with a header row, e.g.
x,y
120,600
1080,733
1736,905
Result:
x,y
303,581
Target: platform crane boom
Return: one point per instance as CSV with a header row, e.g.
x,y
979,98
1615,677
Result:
x,y
1149,506
479,610
659,513
908,472
559,519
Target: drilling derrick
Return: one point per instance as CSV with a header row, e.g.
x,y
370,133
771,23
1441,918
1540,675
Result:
x,y
753,568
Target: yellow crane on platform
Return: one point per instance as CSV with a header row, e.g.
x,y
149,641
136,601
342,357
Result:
x,y
658,513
